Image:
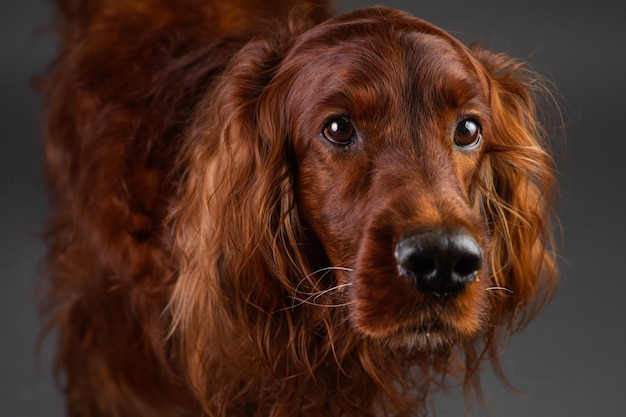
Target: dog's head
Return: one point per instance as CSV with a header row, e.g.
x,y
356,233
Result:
x,y
370,169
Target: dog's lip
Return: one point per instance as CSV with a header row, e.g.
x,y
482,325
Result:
x,y
433,326
424,335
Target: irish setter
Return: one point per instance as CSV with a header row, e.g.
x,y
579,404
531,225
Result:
x,y
259,210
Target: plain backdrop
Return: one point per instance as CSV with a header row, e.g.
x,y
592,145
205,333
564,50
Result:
x,y
569,362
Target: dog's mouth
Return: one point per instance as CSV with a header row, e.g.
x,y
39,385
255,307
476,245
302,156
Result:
x,y
429,327
431,335
428,335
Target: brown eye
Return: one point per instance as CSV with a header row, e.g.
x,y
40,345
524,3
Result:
x,y
339,131
467,133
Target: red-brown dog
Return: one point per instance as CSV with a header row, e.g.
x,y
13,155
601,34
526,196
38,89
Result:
x,y
302,217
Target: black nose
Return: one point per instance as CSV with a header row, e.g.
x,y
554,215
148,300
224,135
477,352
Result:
x,y
439,262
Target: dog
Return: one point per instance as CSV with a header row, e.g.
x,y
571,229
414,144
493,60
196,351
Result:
x,y
262,210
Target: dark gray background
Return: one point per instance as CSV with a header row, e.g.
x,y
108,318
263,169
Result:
x,y
569,362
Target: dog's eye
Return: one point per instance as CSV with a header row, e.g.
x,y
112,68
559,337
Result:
x,y
339,131
467,133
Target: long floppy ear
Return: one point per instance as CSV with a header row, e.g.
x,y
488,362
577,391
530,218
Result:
x,y
235,224
515,193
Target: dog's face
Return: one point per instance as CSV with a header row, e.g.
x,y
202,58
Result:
x,y
388,127
384,169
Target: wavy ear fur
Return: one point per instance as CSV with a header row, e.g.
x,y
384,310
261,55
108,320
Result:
x,y
236,204
515,192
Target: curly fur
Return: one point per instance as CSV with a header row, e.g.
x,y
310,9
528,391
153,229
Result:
x,y
211,254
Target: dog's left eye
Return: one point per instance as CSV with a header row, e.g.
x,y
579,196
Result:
x,y
467,133
339,131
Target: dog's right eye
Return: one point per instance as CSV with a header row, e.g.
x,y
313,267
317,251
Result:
x,y
468,133
339,131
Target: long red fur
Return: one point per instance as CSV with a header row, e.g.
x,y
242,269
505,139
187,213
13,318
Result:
x,y
210,253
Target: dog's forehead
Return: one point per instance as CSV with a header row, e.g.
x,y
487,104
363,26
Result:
x,y
377,27
377,41
362,22
380,59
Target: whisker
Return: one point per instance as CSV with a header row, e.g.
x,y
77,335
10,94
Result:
x,y
326,291
499,289
326,269
311,298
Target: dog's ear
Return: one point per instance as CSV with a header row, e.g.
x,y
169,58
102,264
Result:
x,y
516,189
235,221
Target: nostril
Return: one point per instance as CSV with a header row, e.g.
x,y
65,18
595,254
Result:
x,y
467,266
466,255
421,265
439,262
